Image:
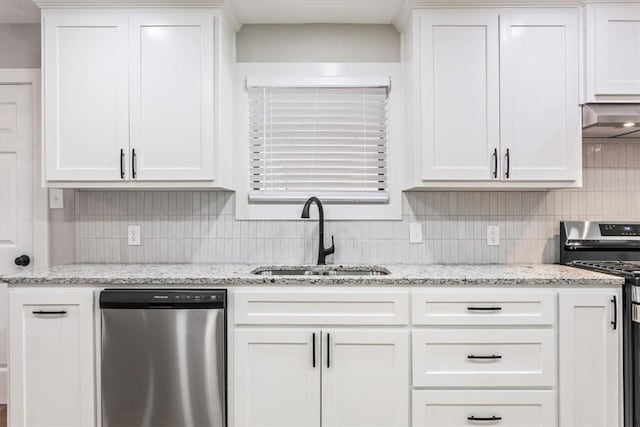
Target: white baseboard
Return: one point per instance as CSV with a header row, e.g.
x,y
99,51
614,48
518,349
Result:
x,y
4,385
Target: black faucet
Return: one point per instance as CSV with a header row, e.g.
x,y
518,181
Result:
x,y
322,252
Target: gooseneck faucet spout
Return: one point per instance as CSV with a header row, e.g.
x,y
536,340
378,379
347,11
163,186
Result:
x,y
322,251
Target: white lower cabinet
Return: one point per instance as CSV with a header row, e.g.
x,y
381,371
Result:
x,y
590,358
311,377
51,358
455,408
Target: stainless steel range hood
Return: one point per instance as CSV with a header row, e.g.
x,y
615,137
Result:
x,y
611,121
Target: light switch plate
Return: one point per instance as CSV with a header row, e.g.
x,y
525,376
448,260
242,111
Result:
x,y
56,198
133,235
493,235
415,232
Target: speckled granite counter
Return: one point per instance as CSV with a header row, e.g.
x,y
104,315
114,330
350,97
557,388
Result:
x,y
224,275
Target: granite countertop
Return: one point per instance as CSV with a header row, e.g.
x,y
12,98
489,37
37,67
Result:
x,y
240,275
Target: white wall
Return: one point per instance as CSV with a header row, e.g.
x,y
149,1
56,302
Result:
x,y
318,43
19,45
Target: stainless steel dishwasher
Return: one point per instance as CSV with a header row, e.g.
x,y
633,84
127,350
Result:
x,y
163,358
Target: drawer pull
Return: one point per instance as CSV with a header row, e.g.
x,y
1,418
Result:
x,y
492,357
484,308
49,313
492,418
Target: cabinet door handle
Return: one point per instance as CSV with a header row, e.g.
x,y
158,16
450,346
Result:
x,y
121,163
484,308
614,322
313,348
49,313
492,418
491,357
508,171
134,161
328,350
495,163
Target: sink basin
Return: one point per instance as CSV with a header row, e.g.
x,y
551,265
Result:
x,y
324,270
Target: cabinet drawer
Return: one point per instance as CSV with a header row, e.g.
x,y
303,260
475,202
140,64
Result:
x,y
468,408
485,307
483,358
327,307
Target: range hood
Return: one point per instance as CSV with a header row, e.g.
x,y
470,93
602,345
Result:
x,y
611,121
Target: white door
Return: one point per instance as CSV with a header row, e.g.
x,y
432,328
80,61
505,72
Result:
x,y
615,31
172,91
16,197
590,359
276,383
52,359
459,94
86,129
539,89
365,378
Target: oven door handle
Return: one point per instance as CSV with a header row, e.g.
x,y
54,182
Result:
x,y
614,322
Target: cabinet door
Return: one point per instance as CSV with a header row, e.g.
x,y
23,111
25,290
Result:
x,y
613,42
51,355
172,91
539,89
590,367
86,123
459,94
276,383
365,378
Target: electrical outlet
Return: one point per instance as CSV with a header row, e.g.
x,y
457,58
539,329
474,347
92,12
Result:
x,y
493,235
133,235
56,199
415,232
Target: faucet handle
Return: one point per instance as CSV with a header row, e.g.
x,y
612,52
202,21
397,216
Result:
x,y
332,249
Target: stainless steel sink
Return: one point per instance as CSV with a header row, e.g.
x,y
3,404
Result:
x,y
328,270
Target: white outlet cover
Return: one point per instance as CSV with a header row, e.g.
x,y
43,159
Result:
x,y
415,232
493,235
133,235
56,198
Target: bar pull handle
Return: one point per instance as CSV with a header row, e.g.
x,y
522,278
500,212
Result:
x,y
508,171
492,418
328,350
495,163
313,348
484,308
614,322
491,357
121,163
134,161
49,313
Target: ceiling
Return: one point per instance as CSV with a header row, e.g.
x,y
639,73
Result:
x,y
19,11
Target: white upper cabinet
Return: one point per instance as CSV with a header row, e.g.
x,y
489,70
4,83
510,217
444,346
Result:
x,y
494,98
459,123
540,96
86,123
613,52
172,96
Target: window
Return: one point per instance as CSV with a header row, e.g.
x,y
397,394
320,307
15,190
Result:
x,y
327,140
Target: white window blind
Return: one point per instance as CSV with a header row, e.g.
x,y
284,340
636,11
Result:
x,y
326,141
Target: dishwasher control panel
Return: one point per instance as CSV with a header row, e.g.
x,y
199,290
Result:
x,y
163,298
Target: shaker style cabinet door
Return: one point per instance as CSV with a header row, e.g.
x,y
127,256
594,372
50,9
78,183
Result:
x,y
539,89
365,378
590,361
459,94
276,383
172,96
51,358
86,123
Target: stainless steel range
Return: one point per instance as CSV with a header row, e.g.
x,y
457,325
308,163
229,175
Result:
x,y
613,248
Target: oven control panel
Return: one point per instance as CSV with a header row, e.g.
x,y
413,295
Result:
x,y
620,230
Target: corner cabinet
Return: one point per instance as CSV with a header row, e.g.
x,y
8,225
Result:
x,y
498,99
132,97
51,358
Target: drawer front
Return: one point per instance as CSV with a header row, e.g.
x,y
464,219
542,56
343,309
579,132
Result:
x,y
327,307
468,408
483,358
485,307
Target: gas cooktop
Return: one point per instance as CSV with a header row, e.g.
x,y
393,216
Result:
x,y
619,268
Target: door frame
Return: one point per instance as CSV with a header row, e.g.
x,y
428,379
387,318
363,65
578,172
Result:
x,y
31,76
